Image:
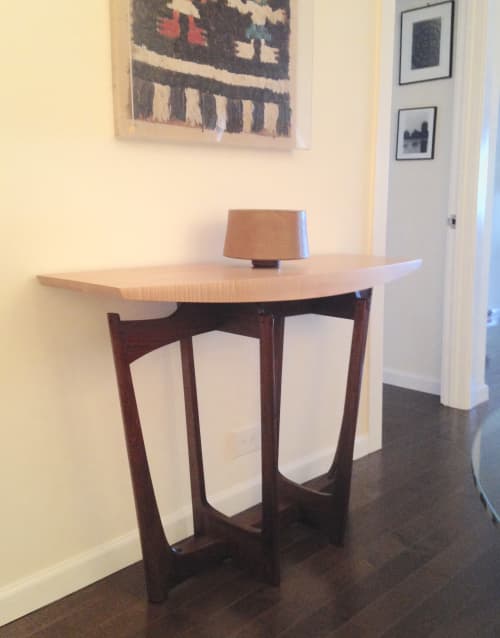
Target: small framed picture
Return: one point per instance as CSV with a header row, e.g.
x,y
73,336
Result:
x,y
416,133
426,43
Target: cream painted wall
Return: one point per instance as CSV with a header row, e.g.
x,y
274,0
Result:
x,y
73,197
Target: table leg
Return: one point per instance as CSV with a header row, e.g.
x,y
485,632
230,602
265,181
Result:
x,y
341,469
196,472
270,330
324,501
278,358
158,560
165,565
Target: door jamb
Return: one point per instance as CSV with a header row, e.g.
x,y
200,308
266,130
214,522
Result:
x,y
378,230
470,199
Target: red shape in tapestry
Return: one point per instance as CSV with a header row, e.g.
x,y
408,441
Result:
x,y
172,28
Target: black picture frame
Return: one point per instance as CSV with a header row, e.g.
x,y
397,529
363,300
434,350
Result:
x,y
426,44
416,133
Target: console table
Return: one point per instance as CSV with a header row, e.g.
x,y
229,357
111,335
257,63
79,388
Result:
x,y
233,297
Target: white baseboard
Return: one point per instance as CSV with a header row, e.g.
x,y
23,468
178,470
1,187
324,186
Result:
x,y
412,381
46,586
479,394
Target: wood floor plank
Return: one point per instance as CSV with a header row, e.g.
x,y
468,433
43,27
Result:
x,y
59,615
197,599
399,602
442,607
480,617
346,603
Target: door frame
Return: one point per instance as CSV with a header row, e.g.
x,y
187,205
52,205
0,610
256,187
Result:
x,y
471,192
378,231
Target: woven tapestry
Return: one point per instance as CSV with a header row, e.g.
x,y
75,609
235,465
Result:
x,y
208,70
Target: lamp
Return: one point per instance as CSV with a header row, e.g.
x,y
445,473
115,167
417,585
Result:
x,y
266,236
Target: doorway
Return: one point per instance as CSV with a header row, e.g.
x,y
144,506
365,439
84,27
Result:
x,y
438,322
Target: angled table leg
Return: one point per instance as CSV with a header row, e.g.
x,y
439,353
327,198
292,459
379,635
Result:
x,y
324,501
158,560
270,331
196,472
341,469
165,565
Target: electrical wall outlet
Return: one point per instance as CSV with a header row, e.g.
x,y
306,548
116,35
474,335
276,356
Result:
x,y
244,441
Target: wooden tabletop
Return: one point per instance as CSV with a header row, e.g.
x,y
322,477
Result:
x,y
234,281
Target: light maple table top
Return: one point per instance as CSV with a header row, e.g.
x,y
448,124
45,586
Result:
x,y
235,281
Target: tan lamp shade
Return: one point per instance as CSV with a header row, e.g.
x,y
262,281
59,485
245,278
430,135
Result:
x,y
266,236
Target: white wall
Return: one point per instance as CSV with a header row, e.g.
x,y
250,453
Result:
x,y
73,197
494,281
416,227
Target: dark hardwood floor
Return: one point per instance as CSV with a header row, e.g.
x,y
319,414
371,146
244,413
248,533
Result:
x,y
422,559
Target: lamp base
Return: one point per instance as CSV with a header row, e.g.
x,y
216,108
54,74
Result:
x,y
266,263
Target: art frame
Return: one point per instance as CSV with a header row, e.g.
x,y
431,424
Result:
x,y
180,71
416,133
426,46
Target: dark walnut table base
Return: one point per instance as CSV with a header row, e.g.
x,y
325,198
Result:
x,y
251,541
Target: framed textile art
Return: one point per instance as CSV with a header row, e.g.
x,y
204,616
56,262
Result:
x,y
218,71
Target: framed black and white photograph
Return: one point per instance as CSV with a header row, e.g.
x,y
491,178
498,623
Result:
x,y
416,133
426,43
